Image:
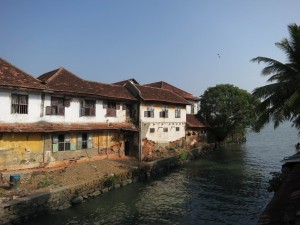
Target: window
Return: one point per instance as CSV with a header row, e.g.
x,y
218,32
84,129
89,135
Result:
x,y
19,104
165,129
57,106
111,108
88,108
164,112
177,112
61,142
149,112
84,141
152,130
177,128
192,109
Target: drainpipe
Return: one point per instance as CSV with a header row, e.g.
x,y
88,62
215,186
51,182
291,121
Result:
x,y
140,141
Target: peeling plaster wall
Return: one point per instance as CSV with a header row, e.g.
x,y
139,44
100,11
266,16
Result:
x,y
164,128
21,150
113,141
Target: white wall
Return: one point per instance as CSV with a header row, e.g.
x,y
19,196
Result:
x,y
34,108
195,104
72,113
158,123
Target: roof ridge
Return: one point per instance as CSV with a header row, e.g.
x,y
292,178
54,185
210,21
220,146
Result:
x,y
162,89
40,82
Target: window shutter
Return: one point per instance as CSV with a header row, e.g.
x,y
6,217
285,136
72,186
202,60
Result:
x,y
118,106
79,141
48,110
160,114
90,141
152,114
145,113
82,111
67,102
73,146
124,107
166,114
54,143
55,147
104,104
93,112
61,110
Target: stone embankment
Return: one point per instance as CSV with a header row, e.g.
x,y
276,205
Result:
x,y
60,198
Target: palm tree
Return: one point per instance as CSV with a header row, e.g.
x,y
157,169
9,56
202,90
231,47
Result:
x,y
280,100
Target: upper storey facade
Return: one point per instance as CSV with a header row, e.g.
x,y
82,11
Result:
x,y
59,96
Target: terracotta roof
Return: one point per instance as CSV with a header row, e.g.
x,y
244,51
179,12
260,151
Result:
x,y
160,95
164,85
193,121
123,82
65,81
11,76
44,127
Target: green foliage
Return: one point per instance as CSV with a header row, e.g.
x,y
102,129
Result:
x,y
45,182
275,182
2,192
110,181
228,109
183,155
281,98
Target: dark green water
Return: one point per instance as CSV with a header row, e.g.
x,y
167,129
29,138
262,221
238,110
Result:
x,y
226,187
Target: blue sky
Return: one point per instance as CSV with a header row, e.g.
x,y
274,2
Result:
x,y
177,41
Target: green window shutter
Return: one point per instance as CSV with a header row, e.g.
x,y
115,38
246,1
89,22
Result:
x,y
90,141
73,146
55,147
79,141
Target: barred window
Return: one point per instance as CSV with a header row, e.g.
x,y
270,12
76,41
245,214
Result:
x,y
57,106
149,112
177,112
111,108
88,108
84,141
61,142
19,104
164,112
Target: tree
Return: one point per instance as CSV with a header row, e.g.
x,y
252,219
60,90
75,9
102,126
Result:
x,y
280,100
228,109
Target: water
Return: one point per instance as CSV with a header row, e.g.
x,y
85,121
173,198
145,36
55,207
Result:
x,y
226,187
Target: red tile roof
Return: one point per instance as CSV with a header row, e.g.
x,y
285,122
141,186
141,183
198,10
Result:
x,y
11,76
65,81
58,127
160,95
164,85
193,121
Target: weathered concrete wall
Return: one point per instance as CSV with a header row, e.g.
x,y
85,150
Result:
x,y
24,208
21,150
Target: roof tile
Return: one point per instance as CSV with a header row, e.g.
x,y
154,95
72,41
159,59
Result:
x,y
164,85
11,76
65,81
